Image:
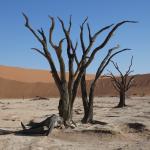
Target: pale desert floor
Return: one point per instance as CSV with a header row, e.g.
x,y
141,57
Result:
x,y
126,129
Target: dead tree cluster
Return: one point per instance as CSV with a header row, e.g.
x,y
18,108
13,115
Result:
x,y
67,87
122,83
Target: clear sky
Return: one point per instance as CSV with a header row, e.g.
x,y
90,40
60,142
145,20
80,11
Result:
x,y
16,40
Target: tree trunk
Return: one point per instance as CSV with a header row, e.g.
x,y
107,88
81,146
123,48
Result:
x,y
122,99
64,107
88,117
65,110
91,98
84,99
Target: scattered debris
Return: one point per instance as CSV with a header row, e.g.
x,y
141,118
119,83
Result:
x,y
136,127
78,111
40,98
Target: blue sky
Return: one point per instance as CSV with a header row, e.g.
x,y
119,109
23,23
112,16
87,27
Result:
x,y
16,40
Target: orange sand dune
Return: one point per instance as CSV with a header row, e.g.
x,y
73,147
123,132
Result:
x,y
27,83
28,75
25,75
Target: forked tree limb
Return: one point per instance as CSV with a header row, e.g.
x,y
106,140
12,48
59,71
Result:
x,y
98,48
30,28
104,62
117,68
82,65
114,80
106,40
51,32
46,52
129,84
125,81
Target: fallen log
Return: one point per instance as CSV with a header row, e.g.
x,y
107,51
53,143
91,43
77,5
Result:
x,y
34,128
32,132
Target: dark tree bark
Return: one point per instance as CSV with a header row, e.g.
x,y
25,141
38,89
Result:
x,y
68,87
122,99
84,98
88,118
64,86
88,99
123,83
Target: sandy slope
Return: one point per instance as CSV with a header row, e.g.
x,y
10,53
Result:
x,y
28,75
114,133
17,89
27,83
25,75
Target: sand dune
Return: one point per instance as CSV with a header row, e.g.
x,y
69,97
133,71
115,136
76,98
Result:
x,y
26,83
25,75
28,75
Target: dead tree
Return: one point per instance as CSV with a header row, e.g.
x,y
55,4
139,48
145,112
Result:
x,y
122,83
68,87
87,98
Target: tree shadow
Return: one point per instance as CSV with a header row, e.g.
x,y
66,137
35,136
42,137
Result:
x,y
126,106
102,106
112,116
26,132
137,127
98,122
5,132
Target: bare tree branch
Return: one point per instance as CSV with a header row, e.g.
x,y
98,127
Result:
x,y
46,52
117,68
129,84
60,43
70,24
114,79
51,32
116,87
66,32
29,27
103,63
128,71
81,35
74,53
106,39
39,51
111,33
43,35
89,31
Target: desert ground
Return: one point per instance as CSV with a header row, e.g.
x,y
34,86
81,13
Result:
x,y
119,128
